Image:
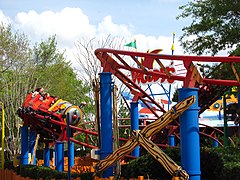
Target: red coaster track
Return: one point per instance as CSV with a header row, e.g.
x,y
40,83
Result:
x,y
51,124
118,63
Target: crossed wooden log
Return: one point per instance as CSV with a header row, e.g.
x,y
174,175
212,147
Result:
x,y
142,138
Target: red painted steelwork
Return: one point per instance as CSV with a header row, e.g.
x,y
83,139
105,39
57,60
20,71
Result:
x,y
116,62
110,64
47,117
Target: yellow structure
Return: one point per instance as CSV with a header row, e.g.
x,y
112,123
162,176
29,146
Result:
x,y
218,105
3,135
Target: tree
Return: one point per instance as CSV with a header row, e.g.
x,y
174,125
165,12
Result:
x,y
58,78
91,67
86,58
214,27
55,74
12,47
26,69
16,78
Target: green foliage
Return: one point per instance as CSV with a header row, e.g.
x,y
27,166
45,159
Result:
x,y
9,165
16,80
149,167
37,172
175,96
220,163
236,52
145,166
215,25
211,164
14,48
57,76
46,53
216,163
24,69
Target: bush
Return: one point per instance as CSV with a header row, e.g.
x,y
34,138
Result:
x,y
37,172
231,171
211,164
145,166
8,165
216,163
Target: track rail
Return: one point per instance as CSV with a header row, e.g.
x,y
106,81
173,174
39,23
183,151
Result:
x,y
118,63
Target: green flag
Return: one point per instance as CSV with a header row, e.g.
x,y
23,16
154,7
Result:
x,y
132,44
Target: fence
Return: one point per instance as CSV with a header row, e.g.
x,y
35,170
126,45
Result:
x,y
6,174
80,165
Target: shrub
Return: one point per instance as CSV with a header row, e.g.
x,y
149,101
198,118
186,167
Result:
x,y
216,163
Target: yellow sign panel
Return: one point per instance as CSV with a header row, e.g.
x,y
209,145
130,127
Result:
x,y
218,105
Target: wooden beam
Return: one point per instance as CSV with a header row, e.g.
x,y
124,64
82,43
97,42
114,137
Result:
x,y
235,72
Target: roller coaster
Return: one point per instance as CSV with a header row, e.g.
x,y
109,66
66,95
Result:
x,y
47,115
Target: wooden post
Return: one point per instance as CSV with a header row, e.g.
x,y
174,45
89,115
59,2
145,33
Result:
x,y
35,148
115,129
96,90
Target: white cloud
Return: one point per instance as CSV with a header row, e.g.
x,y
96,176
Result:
x,y
108,27
145,43
68,25
71,24
4,19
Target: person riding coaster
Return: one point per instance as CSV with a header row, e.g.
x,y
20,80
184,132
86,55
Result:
x,y
42,111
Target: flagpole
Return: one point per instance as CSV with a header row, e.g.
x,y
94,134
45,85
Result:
x,y
172,48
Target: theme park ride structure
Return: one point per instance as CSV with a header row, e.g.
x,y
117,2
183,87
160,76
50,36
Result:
x,y
117,63
150,68
45,114
142,138
50,119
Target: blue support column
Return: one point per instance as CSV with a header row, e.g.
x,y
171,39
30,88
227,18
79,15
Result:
x,y
238,97
24,145
32,141
189,133
238,106
106,119
59,156
71,148
70,145
214,143
134,124
171,140
46,155
219,115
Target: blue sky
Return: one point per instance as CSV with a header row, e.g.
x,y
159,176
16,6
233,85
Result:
x,y
149,17
150,22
